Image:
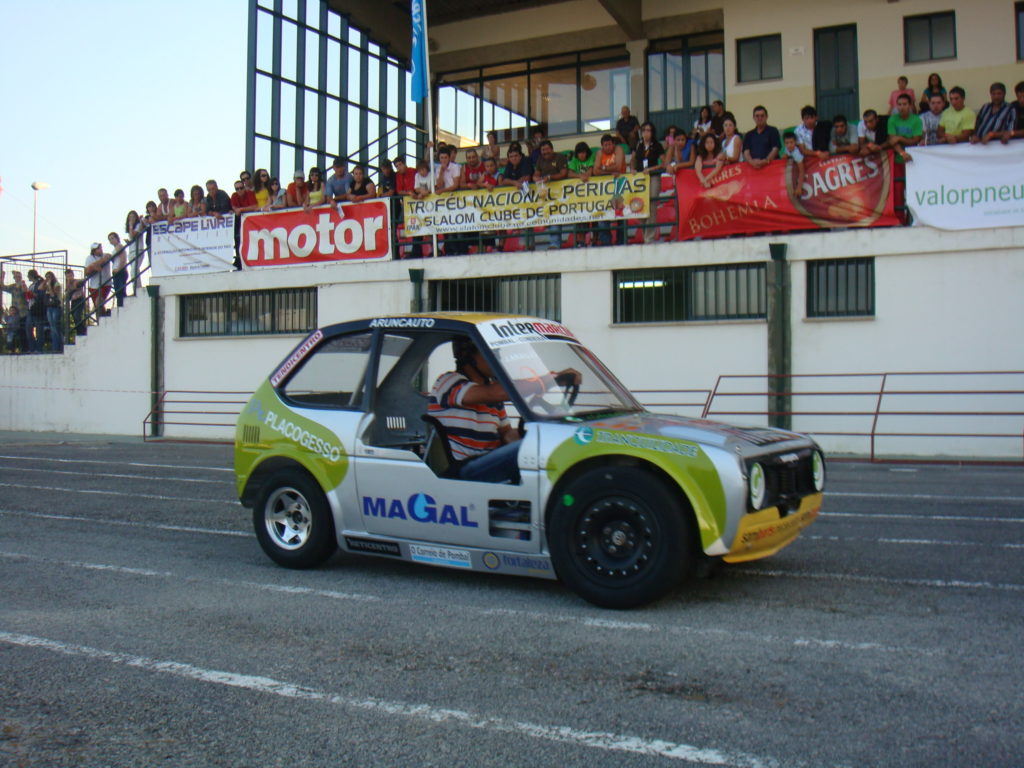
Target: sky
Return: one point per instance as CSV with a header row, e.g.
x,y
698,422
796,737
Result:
x,y
107,101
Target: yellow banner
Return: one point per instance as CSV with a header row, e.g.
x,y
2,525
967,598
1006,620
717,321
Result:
x,y
571,201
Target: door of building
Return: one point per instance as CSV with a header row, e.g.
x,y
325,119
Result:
x,y
836,74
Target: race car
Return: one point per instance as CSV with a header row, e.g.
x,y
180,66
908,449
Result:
x,y
336,449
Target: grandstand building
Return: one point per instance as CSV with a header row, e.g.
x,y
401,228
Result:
x,y
772,310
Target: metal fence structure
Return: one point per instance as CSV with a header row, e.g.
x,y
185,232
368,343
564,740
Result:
x,y
875,408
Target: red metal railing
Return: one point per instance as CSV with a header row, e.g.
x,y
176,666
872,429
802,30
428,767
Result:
x,y
887,401
185,408
877,400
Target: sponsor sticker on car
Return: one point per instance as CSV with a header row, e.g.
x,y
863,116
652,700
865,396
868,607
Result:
x,y
453,558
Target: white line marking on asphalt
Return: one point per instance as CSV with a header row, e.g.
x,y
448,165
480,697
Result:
x,y
111,474
233,502
538,616
129,523
923,542
611,742
285,588
108,463
859,578
911,516
920,496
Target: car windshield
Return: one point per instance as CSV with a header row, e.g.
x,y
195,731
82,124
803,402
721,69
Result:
x,y
559,379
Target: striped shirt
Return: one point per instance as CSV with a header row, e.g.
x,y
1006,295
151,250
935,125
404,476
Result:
x,y
472,429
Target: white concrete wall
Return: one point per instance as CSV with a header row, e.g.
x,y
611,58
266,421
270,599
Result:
x,y
944,302
100,385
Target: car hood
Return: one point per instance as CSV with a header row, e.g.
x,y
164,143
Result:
x,y
746,441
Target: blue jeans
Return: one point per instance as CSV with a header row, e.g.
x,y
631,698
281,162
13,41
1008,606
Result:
x,y
53,317
35,327
499,466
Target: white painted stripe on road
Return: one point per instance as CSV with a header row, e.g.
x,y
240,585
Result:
x,y
107,463
911,516
859,578
285,588
922,542
535,616
233,502
920,496
562,734
163,478
128,523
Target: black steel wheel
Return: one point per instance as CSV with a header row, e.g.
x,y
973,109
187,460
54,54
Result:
x,y
620,538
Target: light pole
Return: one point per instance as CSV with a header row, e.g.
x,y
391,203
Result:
x,y
36,186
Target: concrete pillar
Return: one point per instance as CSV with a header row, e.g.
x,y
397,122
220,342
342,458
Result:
x,y
780,353
637,85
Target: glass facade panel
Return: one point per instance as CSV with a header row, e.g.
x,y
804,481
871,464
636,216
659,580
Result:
x,y
928,37
656,82
601,104
674,80
554,100
944,37
693,76
362,92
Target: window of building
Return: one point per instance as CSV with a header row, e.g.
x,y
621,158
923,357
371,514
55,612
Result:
x,y
319,88
841,287
248,313
565,94
536,295
674,294
929,36
1019,12
684,74
759,58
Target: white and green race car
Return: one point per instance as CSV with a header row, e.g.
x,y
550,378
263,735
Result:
x,y
619,503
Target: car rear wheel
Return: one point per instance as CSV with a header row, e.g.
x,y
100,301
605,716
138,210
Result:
x,y
619,538
293,521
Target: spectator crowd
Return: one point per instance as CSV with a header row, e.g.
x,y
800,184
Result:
x,y
43,311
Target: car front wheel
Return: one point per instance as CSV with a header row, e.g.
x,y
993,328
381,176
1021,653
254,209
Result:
x,y
619,538
293,521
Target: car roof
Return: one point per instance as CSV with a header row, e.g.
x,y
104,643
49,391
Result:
x,y
444,321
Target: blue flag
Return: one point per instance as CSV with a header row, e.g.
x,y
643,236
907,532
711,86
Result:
x,y
419,52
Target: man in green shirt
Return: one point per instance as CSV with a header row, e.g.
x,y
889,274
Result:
x,y
905,129
957,122
581,164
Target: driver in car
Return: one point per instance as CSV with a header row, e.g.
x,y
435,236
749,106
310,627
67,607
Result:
x,y
469,404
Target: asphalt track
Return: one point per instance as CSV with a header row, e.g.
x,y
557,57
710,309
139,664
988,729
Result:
x,y
140,625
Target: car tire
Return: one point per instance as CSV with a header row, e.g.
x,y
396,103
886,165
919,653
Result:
x,y
620,538
293,521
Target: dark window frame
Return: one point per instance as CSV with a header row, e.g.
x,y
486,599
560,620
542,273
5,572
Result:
x,y
759,41
233,323
1018,13
670,294
484,294
930,18
837,282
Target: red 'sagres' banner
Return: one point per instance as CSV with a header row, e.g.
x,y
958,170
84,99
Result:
x,y
361,231
842,191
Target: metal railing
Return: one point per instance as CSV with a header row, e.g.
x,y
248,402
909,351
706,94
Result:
x,y
939,407
216,409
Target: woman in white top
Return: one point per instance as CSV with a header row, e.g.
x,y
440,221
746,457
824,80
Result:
x,y
703,123
732,144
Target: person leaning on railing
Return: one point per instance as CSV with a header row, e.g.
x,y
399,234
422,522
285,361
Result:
x,y
17,289
54,311
74,296
97,272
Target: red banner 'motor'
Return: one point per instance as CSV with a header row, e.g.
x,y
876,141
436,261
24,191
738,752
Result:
x,y
842,191
322,234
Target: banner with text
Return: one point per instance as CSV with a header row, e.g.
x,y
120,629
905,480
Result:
x,y
355,231
570,201
193,246
842,191
967,186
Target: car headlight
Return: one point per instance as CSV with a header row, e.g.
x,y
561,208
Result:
x,y
818,470
758,487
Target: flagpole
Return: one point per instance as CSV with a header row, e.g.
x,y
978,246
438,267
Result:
x,y
430,120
